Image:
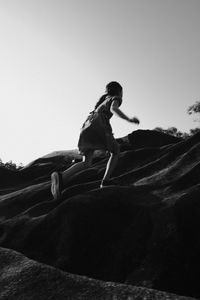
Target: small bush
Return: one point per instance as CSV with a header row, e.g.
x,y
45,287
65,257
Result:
x,y
10,165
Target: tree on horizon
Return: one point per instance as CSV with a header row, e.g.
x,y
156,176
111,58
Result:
x,y
194,109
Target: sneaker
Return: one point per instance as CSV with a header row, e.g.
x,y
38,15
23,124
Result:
x,y
106,183
56,185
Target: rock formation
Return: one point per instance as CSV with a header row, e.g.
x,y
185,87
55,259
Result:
x,y
141,234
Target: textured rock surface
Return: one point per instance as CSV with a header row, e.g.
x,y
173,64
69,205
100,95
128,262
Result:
x,y
144,231
22,278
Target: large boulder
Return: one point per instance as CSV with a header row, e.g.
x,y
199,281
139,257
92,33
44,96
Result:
x,y
151,138
22,278
143,230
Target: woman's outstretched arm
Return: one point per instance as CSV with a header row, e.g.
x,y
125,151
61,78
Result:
x,y
115,110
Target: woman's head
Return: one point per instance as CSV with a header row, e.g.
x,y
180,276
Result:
x,y
113,88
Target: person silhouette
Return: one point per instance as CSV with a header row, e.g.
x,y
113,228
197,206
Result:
x,y
96,134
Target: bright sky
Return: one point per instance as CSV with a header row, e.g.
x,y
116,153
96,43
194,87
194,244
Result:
x,y
56,56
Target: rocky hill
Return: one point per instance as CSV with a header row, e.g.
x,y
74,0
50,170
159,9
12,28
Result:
x,y
137,239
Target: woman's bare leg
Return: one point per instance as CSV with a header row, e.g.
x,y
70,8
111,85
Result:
x,y
58,180
111,164
79,166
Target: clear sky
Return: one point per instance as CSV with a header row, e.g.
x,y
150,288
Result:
x,y
56,56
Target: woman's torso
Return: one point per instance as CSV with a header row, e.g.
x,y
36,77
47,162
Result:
x,y
100,117
104,107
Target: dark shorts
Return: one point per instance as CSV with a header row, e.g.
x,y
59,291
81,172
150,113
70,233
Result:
x,y
96,134
97,140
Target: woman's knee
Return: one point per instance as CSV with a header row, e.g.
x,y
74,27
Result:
x,y
116,150
87,159
115,154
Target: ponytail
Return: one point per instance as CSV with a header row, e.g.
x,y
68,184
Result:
x,y
100,101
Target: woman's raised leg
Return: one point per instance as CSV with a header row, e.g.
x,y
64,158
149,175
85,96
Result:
x,y
59,180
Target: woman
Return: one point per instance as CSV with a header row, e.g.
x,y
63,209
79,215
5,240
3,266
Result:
x,y
96,133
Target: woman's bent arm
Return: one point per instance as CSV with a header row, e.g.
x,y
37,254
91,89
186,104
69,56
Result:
x,y
115,110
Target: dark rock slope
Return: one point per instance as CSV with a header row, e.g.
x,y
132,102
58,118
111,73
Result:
x,y
22,278
143,231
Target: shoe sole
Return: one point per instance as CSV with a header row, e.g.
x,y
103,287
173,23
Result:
x,y
55,186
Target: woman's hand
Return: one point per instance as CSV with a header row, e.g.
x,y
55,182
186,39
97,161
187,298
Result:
x,y
134,120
